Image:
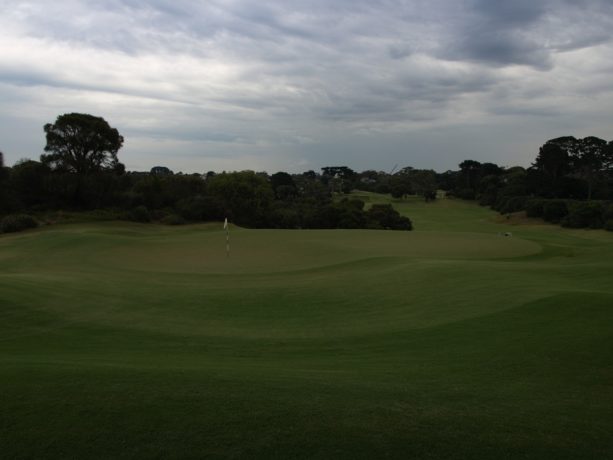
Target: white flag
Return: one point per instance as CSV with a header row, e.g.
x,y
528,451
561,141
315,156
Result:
x,y
225,224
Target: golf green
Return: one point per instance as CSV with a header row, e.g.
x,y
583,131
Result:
x,y
122,340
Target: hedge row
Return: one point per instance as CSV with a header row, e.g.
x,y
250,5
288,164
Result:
x,y
572,213
17,222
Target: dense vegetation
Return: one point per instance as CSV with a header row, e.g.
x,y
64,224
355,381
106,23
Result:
x,y
81,171
570,182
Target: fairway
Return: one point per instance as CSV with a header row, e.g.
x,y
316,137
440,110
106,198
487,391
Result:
x,y
122,340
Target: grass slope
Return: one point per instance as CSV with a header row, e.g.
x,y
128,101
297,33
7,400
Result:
x,y
125,340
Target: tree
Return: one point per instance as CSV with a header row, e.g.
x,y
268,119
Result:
x,y
340,178
283,185
28,182
161,171
552,163
82,144
574,160
589,161
423,183
470,171
4,187
400,183
384,216
246,197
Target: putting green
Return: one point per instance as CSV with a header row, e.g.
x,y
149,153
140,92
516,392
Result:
x,y
201,249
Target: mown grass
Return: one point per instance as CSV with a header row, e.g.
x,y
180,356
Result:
x,y
141,341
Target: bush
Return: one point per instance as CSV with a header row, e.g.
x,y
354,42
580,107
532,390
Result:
x,y
510,204
585,214
608,225
283,217
555,210
384,216
607,214
159,214
173,219
191,208
534,207
464,194
17,222
140,214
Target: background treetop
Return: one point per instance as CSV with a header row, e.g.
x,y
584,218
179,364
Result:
x,y
81,143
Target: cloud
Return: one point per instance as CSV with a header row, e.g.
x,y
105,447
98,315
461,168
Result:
x,y
255,79
524,32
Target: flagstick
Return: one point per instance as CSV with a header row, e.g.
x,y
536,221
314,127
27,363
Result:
x,y
227,227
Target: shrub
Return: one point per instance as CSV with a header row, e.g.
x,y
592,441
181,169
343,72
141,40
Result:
x,y
534,207
104,214
555,210
17,222
159,214
173,219
191,208
607,213
511,204
584,214
386,217
464,193
140,214
608,225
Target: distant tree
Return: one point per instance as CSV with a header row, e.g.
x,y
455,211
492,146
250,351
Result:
x,y
384,216
28,182
589,157
5,192
423,183
470,171
246,196
283,185
310,174
448,180
488,188
310,189
553,158
81,143
565,162
607,157
490,169
340,178
400,183
373,181
551,165
161,171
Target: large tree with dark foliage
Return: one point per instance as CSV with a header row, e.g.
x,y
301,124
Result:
x,y
564,163
81,143
339,178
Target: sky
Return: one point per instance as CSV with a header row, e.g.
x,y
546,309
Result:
x,y
302,84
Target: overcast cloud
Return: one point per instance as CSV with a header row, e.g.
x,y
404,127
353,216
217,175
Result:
x,y
296,85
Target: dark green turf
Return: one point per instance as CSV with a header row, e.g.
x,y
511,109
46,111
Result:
x,y
141,341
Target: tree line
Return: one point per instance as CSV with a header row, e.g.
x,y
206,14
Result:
x,y
80,171
569,182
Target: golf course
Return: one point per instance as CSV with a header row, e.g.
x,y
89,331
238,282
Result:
x,y
473,336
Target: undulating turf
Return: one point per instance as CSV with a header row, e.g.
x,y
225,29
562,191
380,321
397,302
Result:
x,y
141,341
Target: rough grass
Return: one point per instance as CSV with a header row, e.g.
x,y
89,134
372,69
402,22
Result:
x,y
140,341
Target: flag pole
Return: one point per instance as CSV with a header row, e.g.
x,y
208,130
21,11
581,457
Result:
x,y
227,228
